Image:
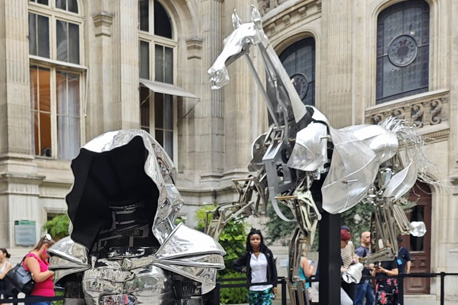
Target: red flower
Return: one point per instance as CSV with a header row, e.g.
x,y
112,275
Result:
x,y
383,299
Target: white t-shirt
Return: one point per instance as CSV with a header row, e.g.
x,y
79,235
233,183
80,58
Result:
x,y
258,267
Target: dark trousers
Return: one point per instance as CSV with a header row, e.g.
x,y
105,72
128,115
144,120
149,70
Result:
x,y
349,289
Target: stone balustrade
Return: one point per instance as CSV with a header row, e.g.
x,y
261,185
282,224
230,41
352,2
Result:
x,y
424,109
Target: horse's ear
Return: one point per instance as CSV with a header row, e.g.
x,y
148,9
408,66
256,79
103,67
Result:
x,y
236,21
256,17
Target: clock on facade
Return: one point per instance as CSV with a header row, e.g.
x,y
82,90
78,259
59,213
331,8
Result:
x,y
301,83
402,50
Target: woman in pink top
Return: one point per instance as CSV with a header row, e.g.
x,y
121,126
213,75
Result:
x,y
37,262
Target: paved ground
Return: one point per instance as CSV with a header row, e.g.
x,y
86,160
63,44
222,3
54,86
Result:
x,y
412,300
425,300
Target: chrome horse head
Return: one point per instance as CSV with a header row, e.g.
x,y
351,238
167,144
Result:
x,y
235,45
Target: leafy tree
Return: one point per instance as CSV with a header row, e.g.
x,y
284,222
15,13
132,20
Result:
x,y
237,295
277,228
232,239
201,215
358,219
58,226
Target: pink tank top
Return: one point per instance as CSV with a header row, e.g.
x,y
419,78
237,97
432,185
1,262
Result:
x,y
45,288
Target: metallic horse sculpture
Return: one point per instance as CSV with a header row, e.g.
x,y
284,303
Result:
x,y
125,248
302,157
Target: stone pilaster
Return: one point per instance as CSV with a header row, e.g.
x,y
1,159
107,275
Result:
x,y
240,100
209,112
337,16
100,58
114,58
16,158
452,8
14,78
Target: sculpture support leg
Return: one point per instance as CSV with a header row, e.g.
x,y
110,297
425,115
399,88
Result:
x,y
329,259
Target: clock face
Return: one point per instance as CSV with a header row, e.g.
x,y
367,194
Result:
x,y
301,84
402,50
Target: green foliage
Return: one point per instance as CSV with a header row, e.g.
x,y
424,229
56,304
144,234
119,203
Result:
x,y
358,219
58,226
201,215
237,295
59,293
278,229
233,240
179,220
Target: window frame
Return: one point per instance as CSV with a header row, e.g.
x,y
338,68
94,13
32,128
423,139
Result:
x,y
172,43
419,89
302,43
53,14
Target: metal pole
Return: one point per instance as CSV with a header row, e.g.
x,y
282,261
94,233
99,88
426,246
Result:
x,y
283,291
442,288
329,262
401,288
216,298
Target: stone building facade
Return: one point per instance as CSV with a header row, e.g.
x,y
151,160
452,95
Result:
x,y
73,69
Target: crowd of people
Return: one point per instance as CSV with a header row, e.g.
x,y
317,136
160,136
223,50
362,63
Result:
x,y
378,285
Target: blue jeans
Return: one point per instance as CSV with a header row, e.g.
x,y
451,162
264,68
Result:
x,y
364,290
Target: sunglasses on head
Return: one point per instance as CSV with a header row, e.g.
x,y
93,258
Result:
x,y
48,237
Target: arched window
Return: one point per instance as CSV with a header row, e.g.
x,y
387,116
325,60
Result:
x,y
157,51
299,62
56,77
402,50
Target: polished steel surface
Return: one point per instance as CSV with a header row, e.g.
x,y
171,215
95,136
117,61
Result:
x,y
73,252
365,165
178,264
149,285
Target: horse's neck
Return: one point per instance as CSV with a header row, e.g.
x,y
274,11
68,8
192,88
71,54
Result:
x,y
276,73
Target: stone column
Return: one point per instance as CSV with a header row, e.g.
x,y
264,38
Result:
x,y
450,223
125,34
14,79
18,174
209,113
101,92
336,94
337,16
452,9
240,100
114,61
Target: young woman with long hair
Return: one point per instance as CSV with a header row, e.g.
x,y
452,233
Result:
x,y
36,261
259,264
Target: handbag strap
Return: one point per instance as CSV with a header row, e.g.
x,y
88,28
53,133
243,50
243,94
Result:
x,y
22,262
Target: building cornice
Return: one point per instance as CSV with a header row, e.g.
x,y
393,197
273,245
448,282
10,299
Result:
x,y
286,13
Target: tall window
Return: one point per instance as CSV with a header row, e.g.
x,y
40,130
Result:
x,y
156,52
402,50
55,77
299,62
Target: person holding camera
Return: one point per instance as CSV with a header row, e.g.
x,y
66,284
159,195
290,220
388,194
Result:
x,y
364,289
386,286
